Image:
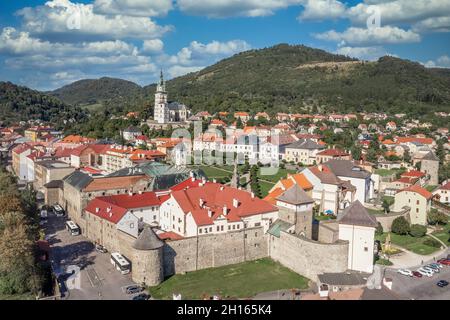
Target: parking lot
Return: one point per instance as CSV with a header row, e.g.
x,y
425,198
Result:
x,y
86,274
424,288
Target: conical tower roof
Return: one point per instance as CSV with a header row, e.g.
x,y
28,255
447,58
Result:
x,y
148,240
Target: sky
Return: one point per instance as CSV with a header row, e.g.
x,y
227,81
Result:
x,y
47,44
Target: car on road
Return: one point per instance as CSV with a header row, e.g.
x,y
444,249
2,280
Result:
x,y
100,248
405,272
142,296
442,283
417,274
133,289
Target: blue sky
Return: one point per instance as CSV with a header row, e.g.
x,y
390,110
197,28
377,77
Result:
x,y
47,44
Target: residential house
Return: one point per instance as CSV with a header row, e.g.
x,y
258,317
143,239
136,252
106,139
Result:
x,y
418,200
303,151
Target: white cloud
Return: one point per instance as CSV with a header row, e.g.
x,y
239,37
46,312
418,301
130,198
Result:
x,y
323,9
400,11
152,46
137,8
198,52
370,37
177,71
365,53
232,8
440,24
441,62
75,20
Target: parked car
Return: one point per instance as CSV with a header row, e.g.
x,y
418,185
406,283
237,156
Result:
x,y
425,272
434,269
100,248
442,283
445,262
417,274
133,289
405,272
58,210
437,265
142,296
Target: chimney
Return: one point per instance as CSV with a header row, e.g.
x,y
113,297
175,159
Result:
x,y
192,179
97,210
222,188
214,181
225,210
253,195
130,193
191,174
235,203
320,167
201,202
108,209
209,213
140,191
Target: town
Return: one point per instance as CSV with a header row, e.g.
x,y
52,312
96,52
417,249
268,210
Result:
x,y
343,206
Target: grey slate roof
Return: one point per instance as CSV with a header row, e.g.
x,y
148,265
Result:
x,y
278,226
295,195
344,279
357,215
176,106
78,179
147,240
346,168
305,144
54,184
430,156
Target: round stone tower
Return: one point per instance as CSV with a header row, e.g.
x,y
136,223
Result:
x,y
148,258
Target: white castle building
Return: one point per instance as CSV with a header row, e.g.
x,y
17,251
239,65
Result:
x,y
166,112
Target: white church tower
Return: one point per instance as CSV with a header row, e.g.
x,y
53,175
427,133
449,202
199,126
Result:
x,y
161,114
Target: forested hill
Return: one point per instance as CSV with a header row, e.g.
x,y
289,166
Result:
x,y
103,91
20,103
285,78
282,78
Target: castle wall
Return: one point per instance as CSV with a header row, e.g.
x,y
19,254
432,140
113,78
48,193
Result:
x,y
214,250
306,257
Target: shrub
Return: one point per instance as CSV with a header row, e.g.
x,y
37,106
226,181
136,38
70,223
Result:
x,y
432,243
418,231
400,226
436,217
379,230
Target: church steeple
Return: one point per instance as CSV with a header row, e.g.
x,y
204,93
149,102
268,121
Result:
x,y
162,84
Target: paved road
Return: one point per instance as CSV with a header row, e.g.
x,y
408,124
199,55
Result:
x,y
420,288
87,274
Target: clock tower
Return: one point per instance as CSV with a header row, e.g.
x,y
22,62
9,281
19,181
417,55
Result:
x,y
161,114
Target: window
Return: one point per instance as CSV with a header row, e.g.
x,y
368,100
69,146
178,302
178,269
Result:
x,y
210,229
366,249
417,210
221,228
154,217
418,202
200,230
258,224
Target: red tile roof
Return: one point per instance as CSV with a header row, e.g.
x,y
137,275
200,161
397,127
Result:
x,y
414,139
333,153
413,173
188,183
215,197
105,210
417,189
169,236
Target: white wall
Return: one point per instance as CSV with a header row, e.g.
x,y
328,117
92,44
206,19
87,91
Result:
x,y
361,246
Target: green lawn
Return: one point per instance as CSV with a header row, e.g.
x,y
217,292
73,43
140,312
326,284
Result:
x,y
386,172
281,174
384,262
375,212
410,243
430,188
444,234
265,188
242,280
213,173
